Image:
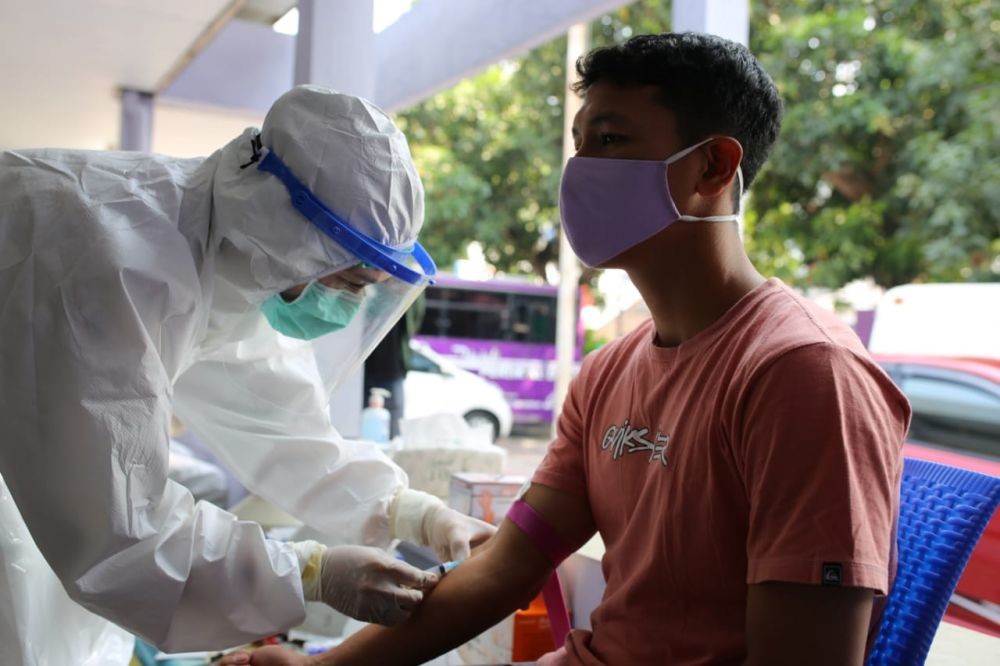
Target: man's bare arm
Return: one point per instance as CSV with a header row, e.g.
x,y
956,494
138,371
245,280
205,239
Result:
x,y
503,575
792,623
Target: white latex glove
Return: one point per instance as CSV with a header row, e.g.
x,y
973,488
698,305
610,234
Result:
x,y
364,583
424,519
453,535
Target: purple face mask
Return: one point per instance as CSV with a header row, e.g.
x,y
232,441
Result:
x,y
610,205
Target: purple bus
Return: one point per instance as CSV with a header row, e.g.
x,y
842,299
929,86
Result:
x,y
503,330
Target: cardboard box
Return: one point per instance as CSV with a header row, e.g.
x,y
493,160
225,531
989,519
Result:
x,y
484,496
432,448
430,470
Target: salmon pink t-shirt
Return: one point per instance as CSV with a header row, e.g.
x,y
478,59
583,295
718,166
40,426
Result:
x,y
766,448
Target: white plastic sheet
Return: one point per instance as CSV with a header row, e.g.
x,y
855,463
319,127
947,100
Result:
x,y
36,609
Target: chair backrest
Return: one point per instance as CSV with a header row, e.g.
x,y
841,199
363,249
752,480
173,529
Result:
x,y
942,513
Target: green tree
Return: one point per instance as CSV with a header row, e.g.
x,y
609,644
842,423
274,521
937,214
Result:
x,y
887,166
489,151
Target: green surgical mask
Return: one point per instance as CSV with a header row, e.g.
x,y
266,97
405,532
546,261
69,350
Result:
x,y
317,311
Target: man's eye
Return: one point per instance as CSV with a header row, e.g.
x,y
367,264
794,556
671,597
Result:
x,y
607,139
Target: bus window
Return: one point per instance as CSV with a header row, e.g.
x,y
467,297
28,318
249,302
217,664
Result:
x,y
502,330
534,319
460,313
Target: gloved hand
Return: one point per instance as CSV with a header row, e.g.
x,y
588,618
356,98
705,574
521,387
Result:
x,y
424,519
453,535
364,583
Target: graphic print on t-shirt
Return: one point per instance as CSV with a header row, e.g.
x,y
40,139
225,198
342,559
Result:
x,y
628,438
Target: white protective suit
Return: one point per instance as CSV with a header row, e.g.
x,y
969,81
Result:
x,y
130,287
204,480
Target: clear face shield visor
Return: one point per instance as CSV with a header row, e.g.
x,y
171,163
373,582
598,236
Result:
x,y
332,326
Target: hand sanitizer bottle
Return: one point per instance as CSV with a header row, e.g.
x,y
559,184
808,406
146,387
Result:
x,y
375,417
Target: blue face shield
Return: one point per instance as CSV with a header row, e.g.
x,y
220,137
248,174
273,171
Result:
x,y
411,265
339,328
317,311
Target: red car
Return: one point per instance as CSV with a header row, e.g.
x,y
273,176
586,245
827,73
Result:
x,y
956,421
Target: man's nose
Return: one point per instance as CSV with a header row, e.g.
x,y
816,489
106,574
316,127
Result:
x,y
586,148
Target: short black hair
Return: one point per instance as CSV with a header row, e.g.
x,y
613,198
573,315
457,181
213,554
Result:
x,y
713,85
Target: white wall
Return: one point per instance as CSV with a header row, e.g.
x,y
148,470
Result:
x,y
187,130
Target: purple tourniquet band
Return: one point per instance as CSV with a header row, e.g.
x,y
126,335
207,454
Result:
x,y
539,531
555,605
546,540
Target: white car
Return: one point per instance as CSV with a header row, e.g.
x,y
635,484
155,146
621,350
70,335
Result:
x,y
435,385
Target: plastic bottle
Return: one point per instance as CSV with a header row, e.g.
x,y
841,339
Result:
x,y
532,632
375,417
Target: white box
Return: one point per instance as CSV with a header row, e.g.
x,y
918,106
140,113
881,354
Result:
x,y
484,496
430,469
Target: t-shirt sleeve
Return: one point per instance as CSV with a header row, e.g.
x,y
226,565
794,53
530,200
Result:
x,y
563,465
821,436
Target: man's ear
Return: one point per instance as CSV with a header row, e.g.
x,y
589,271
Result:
x,y
724,156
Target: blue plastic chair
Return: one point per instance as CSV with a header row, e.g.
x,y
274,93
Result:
x,y
942,513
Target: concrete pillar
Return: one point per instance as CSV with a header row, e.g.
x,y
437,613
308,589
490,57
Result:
x,y
569,265
137,120
335,46
725,18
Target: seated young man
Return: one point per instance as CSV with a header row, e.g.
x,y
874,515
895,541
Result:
x,y
739,453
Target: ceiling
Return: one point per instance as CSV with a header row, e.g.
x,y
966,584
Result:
x,y
265,11
62,62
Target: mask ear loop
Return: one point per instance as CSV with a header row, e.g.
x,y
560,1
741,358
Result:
x,y
739,192
739,203
687,151
736,216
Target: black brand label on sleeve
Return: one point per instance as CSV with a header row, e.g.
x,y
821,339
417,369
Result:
x,y
833,573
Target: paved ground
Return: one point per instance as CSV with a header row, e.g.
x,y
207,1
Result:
x,y
525,449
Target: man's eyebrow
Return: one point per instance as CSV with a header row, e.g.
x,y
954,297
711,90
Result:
x,y
612,117
609,117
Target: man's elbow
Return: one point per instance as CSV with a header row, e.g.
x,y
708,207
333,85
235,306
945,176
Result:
x,y
512,564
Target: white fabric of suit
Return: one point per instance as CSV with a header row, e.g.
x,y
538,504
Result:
x,y
129,290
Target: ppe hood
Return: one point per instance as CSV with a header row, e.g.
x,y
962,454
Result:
x,y
345,150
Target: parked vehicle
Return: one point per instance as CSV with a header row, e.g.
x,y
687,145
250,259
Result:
x,y
956,402
434,385
938,320
956,421
504,330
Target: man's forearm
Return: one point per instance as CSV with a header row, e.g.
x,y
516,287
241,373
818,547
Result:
x,y
503,576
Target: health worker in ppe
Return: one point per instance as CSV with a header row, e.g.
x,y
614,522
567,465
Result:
x,y
133,286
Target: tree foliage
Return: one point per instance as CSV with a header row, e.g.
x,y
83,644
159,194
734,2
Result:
x,y
887,166
490,151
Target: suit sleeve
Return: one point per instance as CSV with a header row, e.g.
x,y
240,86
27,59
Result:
x,y
256,404
84,453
